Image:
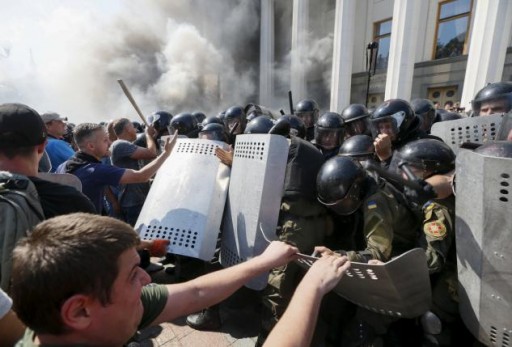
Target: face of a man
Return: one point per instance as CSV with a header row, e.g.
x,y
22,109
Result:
x,y
100,144
117,322
131,132
494,106
56,128
387,127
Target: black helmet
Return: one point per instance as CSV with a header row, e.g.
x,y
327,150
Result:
x,y
297,127
213,131
253,110
200,116
186,124
424,109
161,120
355,117
235,114
446,116
359,147
259,125
339,185
394,117
499,93
307,110
430,155
501,149
210,120
329,130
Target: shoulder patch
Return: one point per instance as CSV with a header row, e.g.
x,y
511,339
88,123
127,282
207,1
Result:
x,y
372,204
435,229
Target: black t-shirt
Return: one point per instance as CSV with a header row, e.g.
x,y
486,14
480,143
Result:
x,y
58,199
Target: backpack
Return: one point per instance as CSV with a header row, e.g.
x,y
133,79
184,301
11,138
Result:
x,y
20,211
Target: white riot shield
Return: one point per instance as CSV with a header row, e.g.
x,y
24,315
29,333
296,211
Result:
x,y
254,199
186,200
484,251
474,129
399,288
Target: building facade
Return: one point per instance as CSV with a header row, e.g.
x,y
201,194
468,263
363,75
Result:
x,y
443,50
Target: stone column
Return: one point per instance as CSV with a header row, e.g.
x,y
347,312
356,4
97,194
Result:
x,y
266,52
344,27
490,37
300,21
402,50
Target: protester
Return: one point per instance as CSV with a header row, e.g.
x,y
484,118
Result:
x,y
58,150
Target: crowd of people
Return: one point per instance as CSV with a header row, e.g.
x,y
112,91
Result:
x,y
361,186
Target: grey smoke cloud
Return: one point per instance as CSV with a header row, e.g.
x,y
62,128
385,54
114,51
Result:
x,y
173,55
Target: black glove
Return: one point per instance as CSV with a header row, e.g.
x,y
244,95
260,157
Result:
x,y
422,195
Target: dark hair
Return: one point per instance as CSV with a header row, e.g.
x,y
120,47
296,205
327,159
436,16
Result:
x,y
64,256
12,152
119,125
85,131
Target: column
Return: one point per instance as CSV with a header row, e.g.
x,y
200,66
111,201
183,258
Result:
x,y
402,50
300,23
490,37
266,52
344,27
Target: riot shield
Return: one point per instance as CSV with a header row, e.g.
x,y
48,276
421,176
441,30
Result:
x,y
254,199
186,199
484,251
475,129
505,130
399,288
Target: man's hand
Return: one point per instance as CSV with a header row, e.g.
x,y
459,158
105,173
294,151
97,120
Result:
x,y
420,196
327,272
324,251
150,132
170,142
279,253
382,144
375,262
225,157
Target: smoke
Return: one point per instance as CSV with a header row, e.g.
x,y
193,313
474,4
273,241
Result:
x,y
173,55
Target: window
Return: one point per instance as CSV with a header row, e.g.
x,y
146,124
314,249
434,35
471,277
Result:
x,y
382,35
442,94
452,28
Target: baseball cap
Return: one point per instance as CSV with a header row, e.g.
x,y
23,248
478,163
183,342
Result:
x,y
49,116
20,126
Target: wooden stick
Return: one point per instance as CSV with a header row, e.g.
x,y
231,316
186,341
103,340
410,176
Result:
x,y
132,101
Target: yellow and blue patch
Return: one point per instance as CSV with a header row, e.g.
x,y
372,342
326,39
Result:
x,y
371,204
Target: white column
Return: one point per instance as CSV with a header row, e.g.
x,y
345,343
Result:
x,y
487,47
300,21
402,50
344,32
266,51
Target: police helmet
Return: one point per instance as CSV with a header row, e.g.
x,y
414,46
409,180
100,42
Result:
x,y
329,130
235,115
200,116
307,110
393,117
297,127
359,147
339,184
186,124
428,155
499,93
501,149
138,127
161,120
424,109
355,117
259,125
210,120
444,116
213,131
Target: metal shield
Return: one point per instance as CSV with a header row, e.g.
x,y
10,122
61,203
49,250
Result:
x,y
484,251
186,200
399,288
474,129
254,199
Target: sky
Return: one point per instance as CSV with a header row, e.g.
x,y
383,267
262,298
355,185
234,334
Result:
x,y
66,56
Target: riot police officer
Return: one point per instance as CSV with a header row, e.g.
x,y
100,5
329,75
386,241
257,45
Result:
x,y
308,111
359,147
213,131
355,118
424,109
329,134
493,98
297,127
186,124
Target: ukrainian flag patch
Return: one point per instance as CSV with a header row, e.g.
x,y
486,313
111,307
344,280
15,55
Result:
x,y
372,204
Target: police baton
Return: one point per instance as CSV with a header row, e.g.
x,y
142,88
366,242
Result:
x,y
393,177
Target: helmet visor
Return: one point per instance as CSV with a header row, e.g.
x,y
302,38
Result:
x,y
211,135
328,138
385,125
308,118
357,127
348,204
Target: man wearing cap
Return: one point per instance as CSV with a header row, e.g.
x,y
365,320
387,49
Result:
x,y
22,141
58,150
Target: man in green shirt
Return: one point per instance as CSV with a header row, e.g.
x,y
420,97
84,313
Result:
x,y
77,281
